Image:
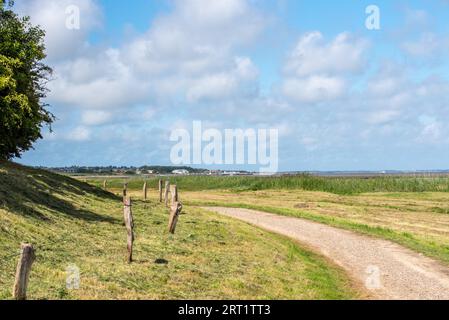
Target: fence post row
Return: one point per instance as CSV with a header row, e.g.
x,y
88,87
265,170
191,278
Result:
x,y
27,257
175,211
167,190
129,223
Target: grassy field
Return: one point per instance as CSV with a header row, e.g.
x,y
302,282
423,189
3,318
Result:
x,y
337,185
209,257
418,220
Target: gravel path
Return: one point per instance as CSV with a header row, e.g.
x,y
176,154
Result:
x,y
387,270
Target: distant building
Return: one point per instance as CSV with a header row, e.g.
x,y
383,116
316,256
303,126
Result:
x,y
180,172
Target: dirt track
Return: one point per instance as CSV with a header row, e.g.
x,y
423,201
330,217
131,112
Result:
x,y
387,270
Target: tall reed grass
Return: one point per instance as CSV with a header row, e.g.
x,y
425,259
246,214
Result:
x,y
337,185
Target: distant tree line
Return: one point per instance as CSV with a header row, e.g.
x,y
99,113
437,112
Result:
x,y
126,170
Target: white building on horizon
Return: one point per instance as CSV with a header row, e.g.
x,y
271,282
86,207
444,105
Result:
x,y
181,172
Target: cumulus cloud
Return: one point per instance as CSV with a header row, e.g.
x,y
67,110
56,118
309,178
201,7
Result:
x,y
314,88
99,82
316,70
52,15
189,56
312,55
383,116
195,62
79,134
420,40
426,46
95,117
239,81
189,53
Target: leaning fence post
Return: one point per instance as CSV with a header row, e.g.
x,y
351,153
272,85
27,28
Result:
x,y
174,194
129,223
167,190
160,190
27,257
175,211
145,191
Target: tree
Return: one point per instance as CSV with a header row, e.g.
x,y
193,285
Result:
x,y
23,79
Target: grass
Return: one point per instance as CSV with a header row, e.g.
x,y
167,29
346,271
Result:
x,y
430,248
336,185
410,219
411,211
209,257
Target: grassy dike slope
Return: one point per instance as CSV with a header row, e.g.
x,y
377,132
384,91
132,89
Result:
x,y
73,223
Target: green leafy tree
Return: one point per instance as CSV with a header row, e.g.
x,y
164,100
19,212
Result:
x,y
23,79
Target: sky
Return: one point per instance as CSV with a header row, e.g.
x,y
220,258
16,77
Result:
x,y
342,96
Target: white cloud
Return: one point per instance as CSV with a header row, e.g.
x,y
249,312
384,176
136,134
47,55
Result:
x,y
226,84
316,70
189,53
312,55
426,46
314,88
385,85
383,116
99,82
95,117
431,130
192,63
217,23
79,134
61,42
197,37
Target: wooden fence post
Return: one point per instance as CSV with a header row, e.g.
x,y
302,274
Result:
x,y
125,190
174,194
175,211
105,183
129,223
145,191
160,191
167,190
27,257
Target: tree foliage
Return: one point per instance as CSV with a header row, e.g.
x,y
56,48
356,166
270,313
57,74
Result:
x,y
23,78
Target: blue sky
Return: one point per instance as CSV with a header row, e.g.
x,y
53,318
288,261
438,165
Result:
x,y
342,97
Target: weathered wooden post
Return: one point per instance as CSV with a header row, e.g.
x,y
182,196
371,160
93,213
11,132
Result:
x,y
129,223
125,190
167,190
105,183
174,194
145,191
175,211
160,191
27,257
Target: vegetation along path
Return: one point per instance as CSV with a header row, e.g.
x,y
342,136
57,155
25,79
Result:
x,y
389,270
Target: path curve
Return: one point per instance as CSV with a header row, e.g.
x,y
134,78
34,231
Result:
x,y
386,269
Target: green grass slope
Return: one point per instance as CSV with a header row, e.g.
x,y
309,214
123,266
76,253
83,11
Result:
x,y
210,257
